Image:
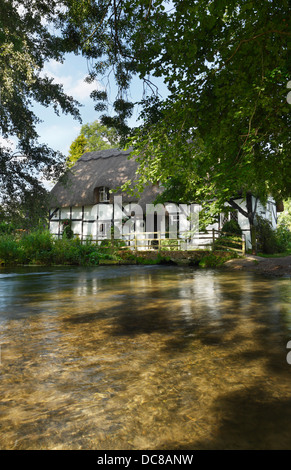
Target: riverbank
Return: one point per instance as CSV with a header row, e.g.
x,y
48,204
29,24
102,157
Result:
x,y
199,258
39,248
268,266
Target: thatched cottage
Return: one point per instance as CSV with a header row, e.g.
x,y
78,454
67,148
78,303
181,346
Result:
x,y
85,198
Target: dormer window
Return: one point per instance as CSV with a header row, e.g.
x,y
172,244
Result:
x,y
101,194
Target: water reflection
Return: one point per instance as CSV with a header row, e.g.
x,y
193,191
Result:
x,y
144,358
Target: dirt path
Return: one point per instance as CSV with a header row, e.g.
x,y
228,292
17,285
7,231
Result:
x,y
269,266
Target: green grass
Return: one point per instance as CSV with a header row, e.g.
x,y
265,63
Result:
x,y
275,255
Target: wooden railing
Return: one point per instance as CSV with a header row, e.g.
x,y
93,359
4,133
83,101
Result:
x,y
151,241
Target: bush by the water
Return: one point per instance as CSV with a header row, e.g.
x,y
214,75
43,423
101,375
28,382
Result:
x,y
40,247
216,259
272,241
10,251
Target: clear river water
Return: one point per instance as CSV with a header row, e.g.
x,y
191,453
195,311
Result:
x,y
144,357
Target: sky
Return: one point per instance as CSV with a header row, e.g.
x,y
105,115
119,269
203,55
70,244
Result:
x,y
59,131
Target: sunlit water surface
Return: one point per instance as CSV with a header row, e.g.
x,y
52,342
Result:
x,y
144,358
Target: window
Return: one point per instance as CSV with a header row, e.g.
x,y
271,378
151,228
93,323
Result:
x,y
103,194
103,229
225,217
233,215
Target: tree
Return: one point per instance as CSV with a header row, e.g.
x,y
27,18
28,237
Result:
x,y
26,43
27,212
93,136
223,129
77,149
285,216
99,137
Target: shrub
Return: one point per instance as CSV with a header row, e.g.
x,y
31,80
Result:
x,y
215,259
68,232
232,227
66,251
10,252
266,236
6,228
37,246
283,238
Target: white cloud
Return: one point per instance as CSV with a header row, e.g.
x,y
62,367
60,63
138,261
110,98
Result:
x,y
59,136
74,85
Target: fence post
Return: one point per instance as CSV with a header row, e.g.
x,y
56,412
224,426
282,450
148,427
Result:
x,y
243,244
159,241
135,242
213,237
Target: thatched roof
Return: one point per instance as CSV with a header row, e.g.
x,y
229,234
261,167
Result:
x,y
110,168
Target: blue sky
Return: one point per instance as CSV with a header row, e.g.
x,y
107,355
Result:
x,y
59,131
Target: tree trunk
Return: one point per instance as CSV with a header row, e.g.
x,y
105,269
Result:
x,y
251,217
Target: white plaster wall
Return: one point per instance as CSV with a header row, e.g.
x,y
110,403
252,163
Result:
x,y
54,227
65,213
77,213
105,212
90,230
91,212
268,211
77,228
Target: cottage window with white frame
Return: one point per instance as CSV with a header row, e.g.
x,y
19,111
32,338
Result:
x,y
103,194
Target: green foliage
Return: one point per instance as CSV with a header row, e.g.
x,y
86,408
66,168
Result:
x,y
9,249
283,239
272,241
230,237
27,211
77,149
225,65
40,247
67,231
266,238
232,226
93,136
6,228
284,218
29,37
37,246
215,259
99,137
168,244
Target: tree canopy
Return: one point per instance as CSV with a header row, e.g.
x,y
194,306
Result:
x,y
223,129
29,36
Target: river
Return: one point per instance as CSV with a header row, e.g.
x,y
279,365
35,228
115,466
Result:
x,y
144,357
